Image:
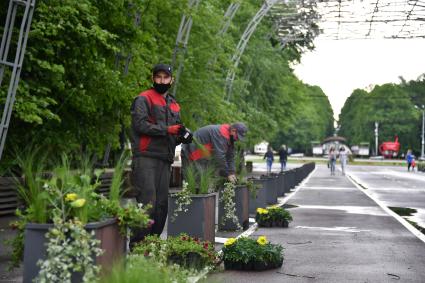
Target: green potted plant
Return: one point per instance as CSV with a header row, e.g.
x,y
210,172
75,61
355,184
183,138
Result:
x,y
66,230
274,216
192,210
250,254
183,250
233,206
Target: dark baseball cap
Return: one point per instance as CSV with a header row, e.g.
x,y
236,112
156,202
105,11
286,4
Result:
x,y
241,128
162,67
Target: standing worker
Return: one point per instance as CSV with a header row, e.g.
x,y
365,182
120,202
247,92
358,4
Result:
x,y
283,157
215,143
155,129
268,156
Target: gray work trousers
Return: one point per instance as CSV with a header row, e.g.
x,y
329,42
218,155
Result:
x,y
151,179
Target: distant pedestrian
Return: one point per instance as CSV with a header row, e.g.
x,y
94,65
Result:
x,y
269,159
283,157
332,160
413,164
409,159
343,158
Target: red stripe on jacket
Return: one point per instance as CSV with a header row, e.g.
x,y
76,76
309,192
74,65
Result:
x,y
201,152
225,131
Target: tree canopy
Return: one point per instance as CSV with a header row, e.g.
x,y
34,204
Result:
x,y
392,106
75,92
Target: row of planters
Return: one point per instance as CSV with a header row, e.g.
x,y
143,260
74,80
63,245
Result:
x,y
69,232
192,210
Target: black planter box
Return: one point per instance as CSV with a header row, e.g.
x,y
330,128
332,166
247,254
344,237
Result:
x,y
271,188
111,241
251,266
241,200
271,224
198,221
280,184
291,178
260,198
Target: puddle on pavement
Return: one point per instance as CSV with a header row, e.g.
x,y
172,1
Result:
x,y
410,214
403,211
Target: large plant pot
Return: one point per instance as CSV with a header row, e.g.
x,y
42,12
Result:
x,y
291,178
280,184
111,241
241,200
259,199
252,266
271,188
199,219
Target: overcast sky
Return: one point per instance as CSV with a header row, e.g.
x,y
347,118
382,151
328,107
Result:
x,y
340,66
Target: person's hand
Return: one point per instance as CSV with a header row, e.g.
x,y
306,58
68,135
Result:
x,y
232,178
174,129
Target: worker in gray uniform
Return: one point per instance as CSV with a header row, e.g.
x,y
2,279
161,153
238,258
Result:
x,y
156,130
215,143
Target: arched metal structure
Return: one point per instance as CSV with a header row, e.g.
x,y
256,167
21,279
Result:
x,y
26,7
228,17
240,48
181,43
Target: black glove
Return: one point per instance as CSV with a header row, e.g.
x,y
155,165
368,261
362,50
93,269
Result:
x,y
185,135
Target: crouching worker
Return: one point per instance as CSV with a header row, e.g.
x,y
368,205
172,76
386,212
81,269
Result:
x,y
214,145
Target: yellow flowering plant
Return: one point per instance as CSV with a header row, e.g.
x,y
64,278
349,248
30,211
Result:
x,y
251,254
274,216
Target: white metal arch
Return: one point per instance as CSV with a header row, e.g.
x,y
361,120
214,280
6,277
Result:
x,y
181,42
240,48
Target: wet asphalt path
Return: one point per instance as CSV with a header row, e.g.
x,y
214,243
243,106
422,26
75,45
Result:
x,y
339,234
394,187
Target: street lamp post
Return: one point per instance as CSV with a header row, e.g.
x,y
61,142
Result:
x,y
376,138
423,130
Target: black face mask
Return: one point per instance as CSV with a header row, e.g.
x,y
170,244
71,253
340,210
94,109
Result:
x,y
161,88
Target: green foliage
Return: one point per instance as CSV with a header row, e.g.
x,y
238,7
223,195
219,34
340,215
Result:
x,y
249,250
74,96
115,189
179,250
138,268
70,249
228,199
392,106
32,191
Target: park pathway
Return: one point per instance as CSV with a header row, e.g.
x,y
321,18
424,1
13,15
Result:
x,y
338,235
